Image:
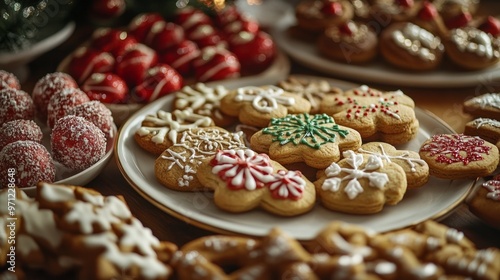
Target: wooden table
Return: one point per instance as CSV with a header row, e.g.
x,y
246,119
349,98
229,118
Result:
x,y
444,103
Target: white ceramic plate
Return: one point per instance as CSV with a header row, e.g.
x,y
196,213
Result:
x,y
66,176
377,71
432,201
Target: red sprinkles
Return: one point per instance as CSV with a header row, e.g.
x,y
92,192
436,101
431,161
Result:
x,y
452,148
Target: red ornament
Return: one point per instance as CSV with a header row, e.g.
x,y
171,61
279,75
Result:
x,y
254,51
86,61
158,81
491,26
181,56
133,64
106,9
163,35
216,64
140,25
106,87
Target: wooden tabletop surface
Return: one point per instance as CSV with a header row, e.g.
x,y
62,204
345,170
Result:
x,y
444,103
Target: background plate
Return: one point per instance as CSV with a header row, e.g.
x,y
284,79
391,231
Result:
x,y
377,71
437,198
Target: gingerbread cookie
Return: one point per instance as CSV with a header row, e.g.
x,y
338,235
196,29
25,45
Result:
x,y
176,167
485,203
486,105
361,184
203,100
161,130
459,156
487,129
314,90
416,169
256,106
243,180
314,139
377,116
315,16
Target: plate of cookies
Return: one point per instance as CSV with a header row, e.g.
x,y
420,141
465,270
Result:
x,y
245,158
422,44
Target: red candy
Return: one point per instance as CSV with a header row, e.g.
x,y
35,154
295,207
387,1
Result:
x,y
216,64
98,114
190,18
106,9
254,51
205,35
491,26
428,11
19,130
15,104
227,15
181,56
8,80
30,161
86,61
47,86
461,20
134,63
332,8
140,26
106,87
77,143
158,81
111,40
244,23
63,101
164,35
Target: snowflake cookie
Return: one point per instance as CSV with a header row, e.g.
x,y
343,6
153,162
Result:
x,y
377,116
361,184
416,169
162,130
244,180
256,106
314,139
486,106
485,203
459,156
176,167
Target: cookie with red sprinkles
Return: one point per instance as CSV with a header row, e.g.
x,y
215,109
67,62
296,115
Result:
x,y
98,114
28,162
17,130
459,156
62,102
77,143
8,80
47,86
15,104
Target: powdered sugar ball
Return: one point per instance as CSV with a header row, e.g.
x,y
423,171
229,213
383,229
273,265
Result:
x,y
47,86
61,102
15,104
17,130
98,114
8,80
28,162
77,143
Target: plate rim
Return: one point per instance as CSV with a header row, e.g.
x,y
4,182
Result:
x,y
214,228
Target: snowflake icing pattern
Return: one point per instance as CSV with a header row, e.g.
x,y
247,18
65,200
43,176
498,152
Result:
x,y
312,131
456,148
287,184
353,187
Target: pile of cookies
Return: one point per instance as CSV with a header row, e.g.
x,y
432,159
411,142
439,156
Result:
x,y
282,147
71,232
413,35
485,110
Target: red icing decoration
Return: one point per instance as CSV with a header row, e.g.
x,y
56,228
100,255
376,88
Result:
x,y
288,180
428,11
461,20
491,26
332,8
452,148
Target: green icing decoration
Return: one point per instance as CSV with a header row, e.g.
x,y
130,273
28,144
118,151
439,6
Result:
x,y
304,129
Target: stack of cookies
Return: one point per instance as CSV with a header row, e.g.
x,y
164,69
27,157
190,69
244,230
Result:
x,y
302,143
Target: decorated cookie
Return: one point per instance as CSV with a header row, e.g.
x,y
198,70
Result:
x,y
361,184
416,169
314,90
314,139
459,156
486,105
316,15
244,180
256,106
161,130
487,129
486,201
204,100
176,167
385,116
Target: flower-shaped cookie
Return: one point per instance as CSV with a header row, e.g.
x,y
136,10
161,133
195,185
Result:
x,y
256,106
361,184
203,100
389,116
161,130
416,169
176,167
314,139
243,180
